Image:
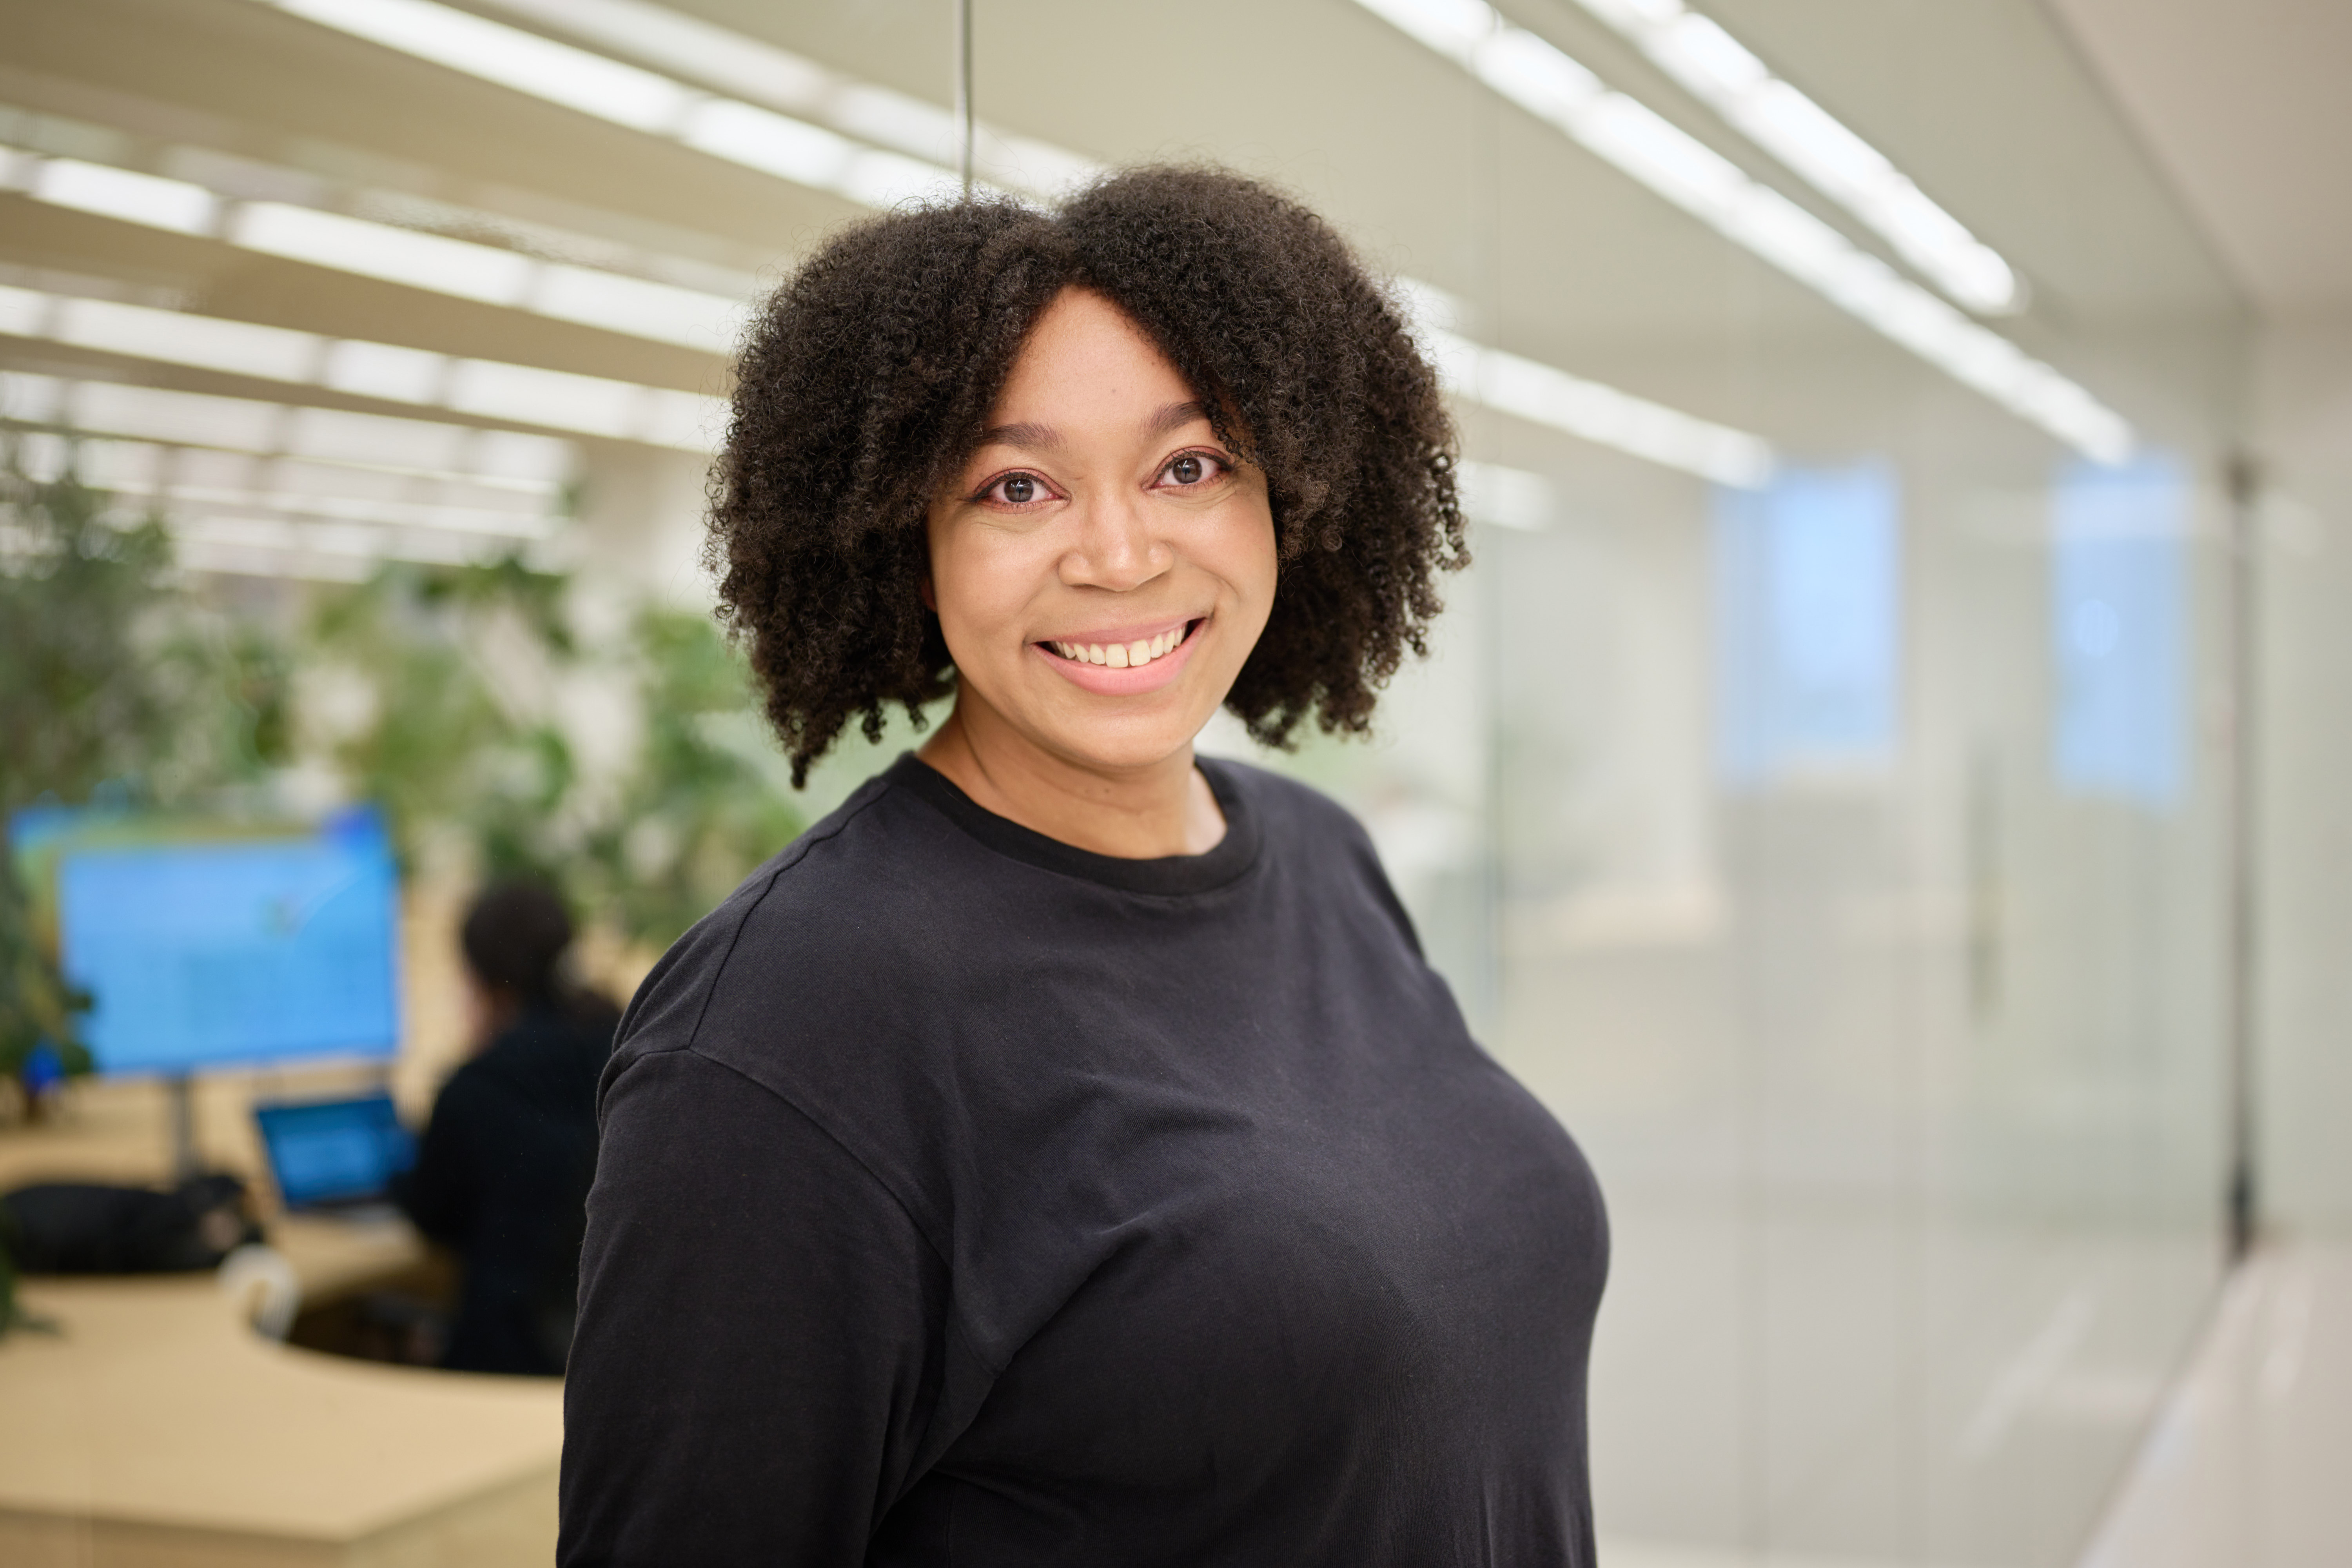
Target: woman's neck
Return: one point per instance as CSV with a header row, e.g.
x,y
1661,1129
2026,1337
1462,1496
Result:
x,y
1133,813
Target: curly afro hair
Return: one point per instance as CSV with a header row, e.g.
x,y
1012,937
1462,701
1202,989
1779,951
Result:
x,y
869,377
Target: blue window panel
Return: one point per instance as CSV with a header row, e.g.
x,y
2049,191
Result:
x,y
1808,623
2120,629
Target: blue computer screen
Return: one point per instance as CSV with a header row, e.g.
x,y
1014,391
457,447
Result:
x,y
325,1151
217,950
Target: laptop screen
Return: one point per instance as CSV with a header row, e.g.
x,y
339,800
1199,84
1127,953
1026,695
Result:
x,y
338,1151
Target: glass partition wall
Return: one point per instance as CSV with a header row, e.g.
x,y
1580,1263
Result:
x,y
1818,793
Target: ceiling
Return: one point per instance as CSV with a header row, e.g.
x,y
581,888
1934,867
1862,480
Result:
x,y
2247,107
1559,256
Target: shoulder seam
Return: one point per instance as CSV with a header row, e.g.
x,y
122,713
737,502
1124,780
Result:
x,y
807,843
870,1173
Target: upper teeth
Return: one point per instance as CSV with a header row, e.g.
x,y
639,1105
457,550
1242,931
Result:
x,y
1120,655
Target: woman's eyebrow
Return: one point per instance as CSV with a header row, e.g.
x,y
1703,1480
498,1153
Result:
x,y
1028,436
1175,417
1035,437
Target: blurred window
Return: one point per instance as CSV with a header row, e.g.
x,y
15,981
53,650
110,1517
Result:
x,y
2119,628
1808,623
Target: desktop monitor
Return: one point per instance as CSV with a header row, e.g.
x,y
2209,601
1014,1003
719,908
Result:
x,y
208,945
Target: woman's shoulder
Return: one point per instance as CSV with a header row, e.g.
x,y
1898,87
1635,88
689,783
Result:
x,y
809,934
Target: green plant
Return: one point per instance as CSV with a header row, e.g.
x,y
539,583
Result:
x,y
80,703
705,802
462,743
437,744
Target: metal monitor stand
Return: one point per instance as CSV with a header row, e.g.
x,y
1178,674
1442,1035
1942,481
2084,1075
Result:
x,y
185,1166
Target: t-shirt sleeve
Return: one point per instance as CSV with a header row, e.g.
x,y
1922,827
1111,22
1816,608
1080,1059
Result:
x,y
756,1354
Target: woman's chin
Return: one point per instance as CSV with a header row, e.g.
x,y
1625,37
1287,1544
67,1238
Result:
x,y
1131,742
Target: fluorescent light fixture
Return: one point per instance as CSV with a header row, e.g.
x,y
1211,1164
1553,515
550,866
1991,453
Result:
x,y
676,41
1603,415
1544,395
772,144
428,261
384,370
182,418
323,491
24,313
1549,85
267,499
1721,72
614,302
1507,497
232,429
638,307
536,396
542,67
120,193
757,138
207,342
526,394
759,73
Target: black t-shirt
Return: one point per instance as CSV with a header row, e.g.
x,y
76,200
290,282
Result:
x,y
967,1198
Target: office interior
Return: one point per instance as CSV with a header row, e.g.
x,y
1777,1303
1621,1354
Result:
x,y
1882,783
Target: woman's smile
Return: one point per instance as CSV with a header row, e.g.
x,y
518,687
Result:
x,y
1126,660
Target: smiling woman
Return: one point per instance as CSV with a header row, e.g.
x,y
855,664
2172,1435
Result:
x,y
1063,1154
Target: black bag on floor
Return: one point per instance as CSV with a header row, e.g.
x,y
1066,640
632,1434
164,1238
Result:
x,y
80,1228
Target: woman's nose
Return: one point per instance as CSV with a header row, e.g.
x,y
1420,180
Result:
x,y
1116,547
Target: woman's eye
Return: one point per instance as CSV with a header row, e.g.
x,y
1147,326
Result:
x,y
1018,490
1191,468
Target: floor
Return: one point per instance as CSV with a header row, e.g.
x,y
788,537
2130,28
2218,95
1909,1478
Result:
x,y
2249,1466
2248,1463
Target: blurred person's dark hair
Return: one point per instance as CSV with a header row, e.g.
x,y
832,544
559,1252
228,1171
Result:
x,y
517,938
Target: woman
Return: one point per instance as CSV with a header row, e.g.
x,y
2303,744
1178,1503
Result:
x,y
1062,1153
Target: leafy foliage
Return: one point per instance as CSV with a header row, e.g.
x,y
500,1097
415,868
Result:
x,y
77,704
464,741
700,809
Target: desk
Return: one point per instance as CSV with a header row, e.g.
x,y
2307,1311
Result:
x,y
158,1429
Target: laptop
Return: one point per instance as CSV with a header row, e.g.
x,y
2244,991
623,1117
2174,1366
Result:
x,y
335,1155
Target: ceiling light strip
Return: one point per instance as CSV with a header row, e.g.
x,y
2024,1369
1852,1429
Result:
x,y
634,97
1721,72
1531,73
1602,414
490,389
777,79
145,471
531,466
638,307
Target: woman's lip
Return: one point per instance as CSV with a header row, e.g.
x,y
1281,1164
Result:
x,y
1135,680
1142,631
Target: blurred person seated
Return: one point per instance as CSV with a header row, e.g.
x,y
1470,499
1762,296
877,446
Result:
x,y
502,1169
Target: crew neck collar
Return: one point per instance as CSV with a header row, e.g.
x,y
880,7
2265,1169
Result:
x,y
1224,862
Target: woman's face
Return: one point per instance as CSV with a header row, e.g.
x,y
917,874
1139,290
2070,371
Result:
x,y
1103,565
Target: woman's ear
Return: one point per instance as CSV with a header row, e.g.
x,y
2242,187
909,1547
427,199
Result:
x,y
930,597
